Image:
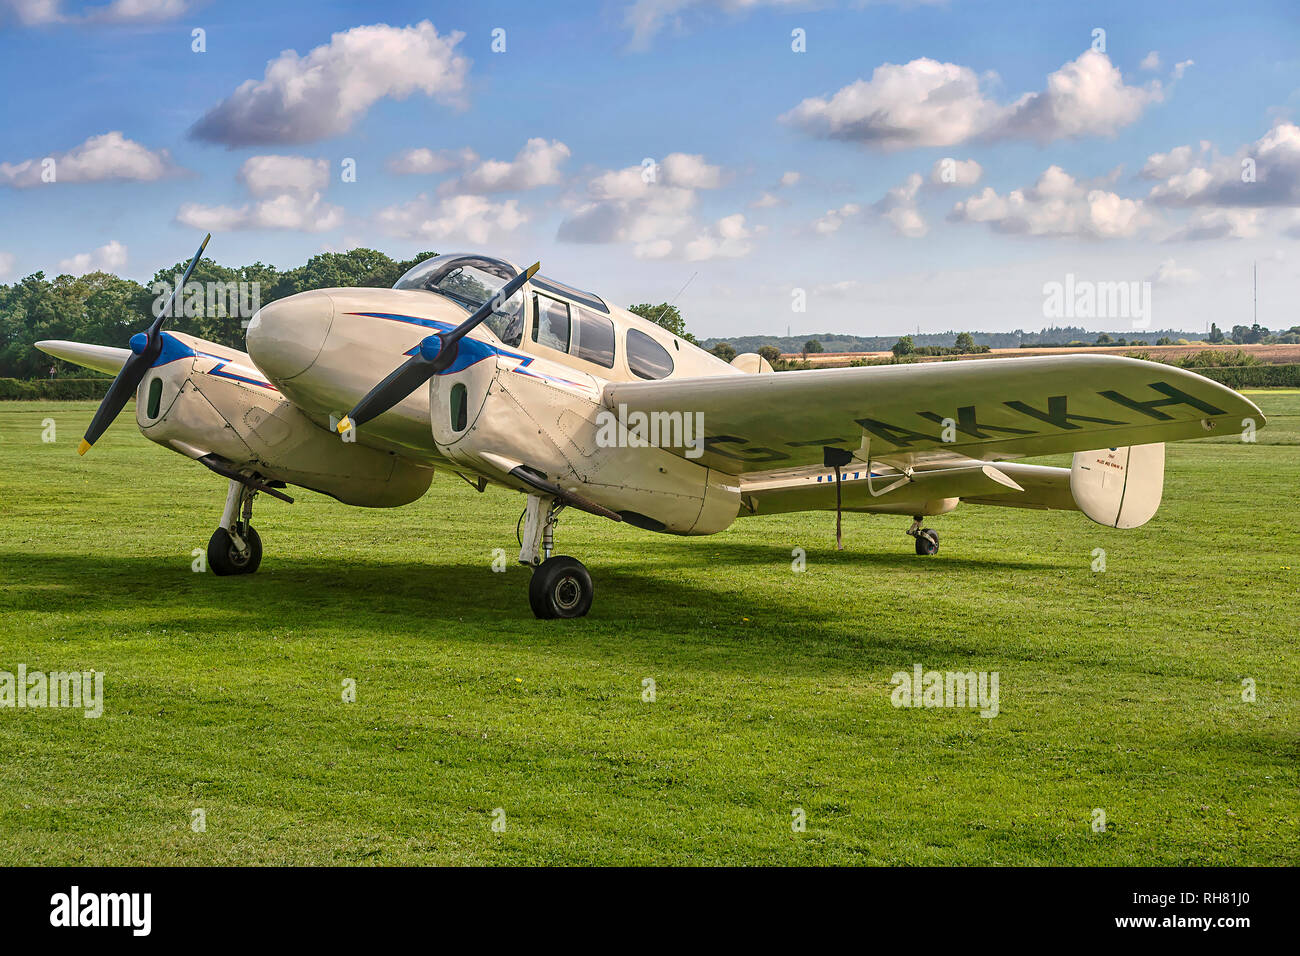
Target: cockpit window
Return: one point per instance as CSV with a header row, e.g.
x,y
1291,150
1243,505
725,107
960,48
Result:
x,y
551,325
470,281
646,357
593,338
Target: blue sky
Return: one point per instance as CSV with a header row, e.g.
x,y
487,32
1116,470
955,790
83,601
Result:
x,y
775,172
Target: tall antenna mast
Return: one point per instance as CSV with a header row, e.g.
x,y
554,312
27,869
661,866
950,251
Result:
x,y
669,304
1256,269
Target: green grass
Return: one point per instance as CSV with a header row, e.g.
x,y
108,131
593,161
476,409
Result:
x,y
1119,690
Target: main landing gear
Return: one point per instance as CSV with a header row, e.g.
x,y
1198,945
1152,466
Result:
x,y
560,586
927,539
235,547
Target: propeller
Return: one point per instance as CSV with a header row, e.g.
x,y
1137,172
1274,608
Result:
x,y
436,352
145,348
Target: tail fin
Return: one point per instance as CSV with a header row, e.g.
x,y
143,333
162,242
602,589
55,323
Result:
x,y
1119,487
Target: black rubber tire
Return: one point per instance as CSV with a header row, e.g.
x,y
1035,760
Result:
x,y
560,587
223,558
927,541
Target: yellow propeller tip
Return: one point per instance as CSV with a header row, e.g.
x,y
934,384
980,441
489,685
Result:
x,y
532,270
83,447
344,425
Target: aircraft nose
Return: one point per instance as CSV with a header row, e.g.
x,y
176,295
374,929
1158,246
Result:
x,y
285,336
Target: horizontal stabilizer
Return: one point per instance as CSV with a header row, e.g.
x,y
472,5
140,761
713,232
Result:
x,y
101,358
813,489
965,481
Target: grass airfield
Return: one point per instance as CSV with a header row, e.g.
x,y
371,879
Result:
x,y
1119,690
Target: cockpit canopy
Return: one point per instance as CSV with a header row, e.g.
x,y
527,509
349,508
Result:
x,y
470,280
564,321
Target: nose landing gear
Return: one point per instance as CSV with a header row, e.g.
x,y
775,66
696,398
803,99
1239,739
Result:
x,y
561,586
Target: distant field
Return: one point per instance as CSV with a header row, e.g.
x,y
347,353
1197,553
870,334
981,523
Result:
x,y
1268,354
1120,691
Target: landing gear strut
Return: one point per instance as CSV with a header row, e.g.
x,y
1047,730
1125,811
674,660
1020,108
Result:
x,y
560,586
927,539
235,547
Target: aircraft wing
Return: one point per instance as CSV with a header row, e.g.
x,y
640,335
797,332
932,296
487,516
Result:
x,y
102,358
918,414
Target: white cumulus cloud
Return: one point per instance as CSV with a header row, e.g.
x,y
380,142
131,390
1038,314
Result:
x,y
425,161
537,164
108,157
898,207
289,193
955,172
647,18
32,13
273,175
475,220
928,103
1169,273
1263,173
1056,205
835,218
107,258
921,103
653,207
1222,224
728,238
287,211
301,99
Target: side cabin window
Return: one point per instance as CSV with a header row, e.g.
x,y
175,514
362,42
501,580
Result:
x,y
551,323
593,338
647,358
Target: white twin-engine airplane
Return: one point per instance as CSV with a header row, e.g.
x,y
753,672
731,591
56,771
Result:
x,y
505,377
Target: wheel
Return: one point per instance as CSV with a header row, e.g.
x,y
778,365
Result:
x,y
560,587
225,558
927,541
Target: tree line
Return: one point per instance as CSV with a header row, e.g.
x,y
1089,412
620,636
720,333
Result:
x,y
105,309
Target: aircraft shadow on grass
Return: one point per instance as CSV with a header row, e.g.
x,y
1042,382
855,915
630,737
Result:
x,y
647,603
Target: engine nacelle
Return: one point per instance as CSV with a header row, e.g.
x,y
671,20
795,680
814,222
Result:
x,y
551,418
202,403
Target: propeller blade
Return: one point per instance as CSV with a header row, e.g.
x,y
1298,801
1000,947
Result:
x,y
145,347
436,353
156,327
119,393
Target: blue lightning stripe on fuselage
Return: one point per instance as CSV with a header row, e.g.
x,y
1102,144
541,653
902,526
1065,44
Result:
x,y
174,350
480,350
